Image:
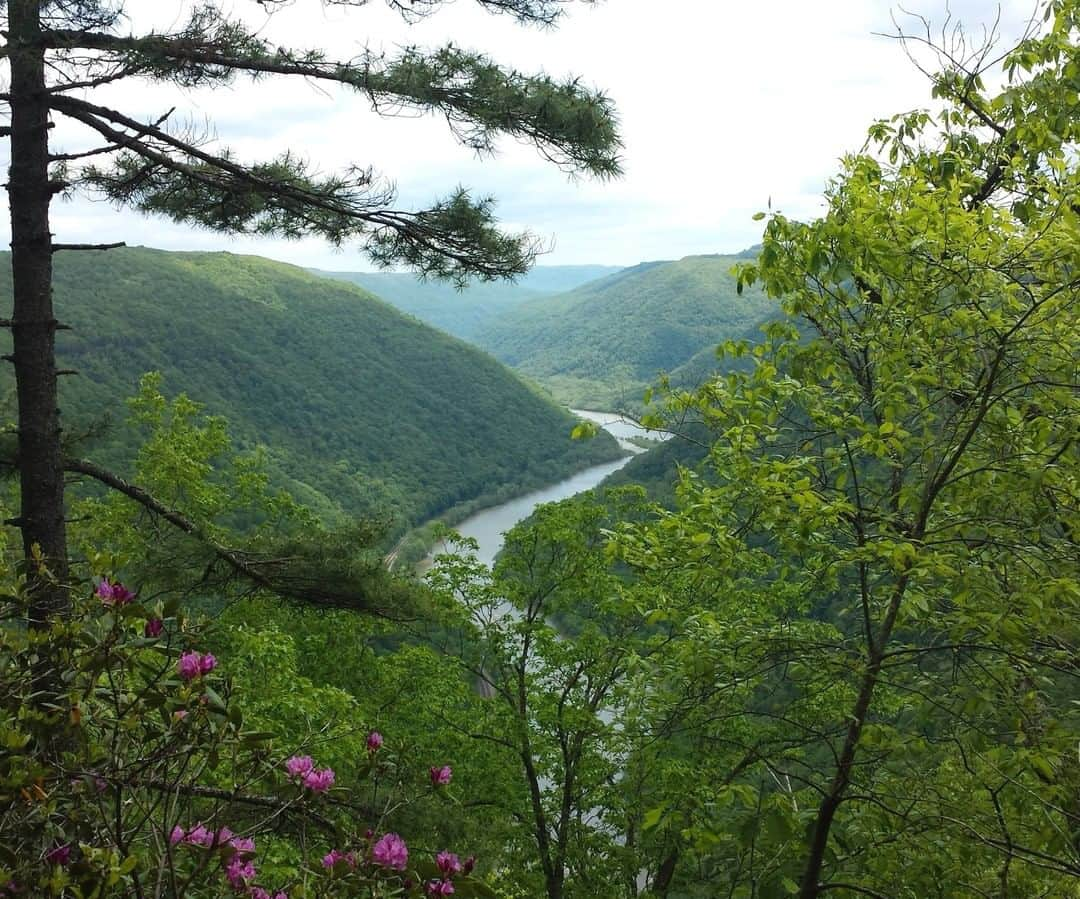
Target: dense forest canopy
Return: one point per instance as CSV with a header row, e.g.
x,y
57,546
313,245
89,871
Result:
x,y
358,409
603,343
465,312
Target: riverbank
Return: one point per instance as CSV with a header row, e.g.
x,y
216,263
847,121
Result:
x,y
487,526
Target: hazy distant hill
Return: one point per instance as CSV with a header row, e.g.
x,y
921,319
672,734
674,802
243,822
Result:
x,y
353,400
463,313
605,341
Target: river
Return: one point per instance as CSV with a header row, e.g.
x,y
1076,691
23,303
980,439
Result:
x,y
488,526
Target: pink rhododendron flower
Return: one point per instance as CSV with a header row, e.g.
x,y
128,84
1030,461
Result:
x,y
188,666
177,835
440,777
320,780
180,714
448,863
239,872
60,855
391,852
153,628
299,765
336,855
113,593
195,664
199,836
440,888
374,741
243,845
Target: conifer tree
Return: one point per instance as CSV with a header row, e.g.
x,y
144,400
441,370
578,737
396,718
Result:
x,y
61,51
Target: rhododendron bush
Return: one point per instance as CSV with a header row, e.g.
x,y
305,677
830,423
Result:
x,y
127,769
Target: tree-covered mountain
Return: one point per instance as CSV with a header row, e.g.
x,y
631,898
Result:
x,y
464,312
605,341
356,405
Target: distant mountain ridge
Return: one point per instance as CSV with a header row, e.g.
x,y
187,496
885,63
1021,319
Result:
x,y
356,404
603,343
463,313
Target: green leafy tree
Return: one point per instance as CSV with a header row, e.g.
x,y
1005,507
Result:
x,y
551,635
60,51
883,547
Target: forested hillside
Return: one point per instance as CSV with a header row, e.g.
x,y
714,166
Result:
x,y
464,312
357,405
604,342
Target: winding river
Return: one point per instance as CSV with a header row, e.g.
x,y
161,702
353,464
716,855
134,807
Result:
x,y
488,526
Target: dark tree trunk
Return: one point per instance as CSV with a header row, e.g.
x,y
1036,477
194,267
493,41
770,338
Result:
x,y
41,473
666,874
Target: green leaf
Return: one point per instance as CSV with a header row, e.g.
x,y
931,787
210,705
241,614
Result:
x,y
653,817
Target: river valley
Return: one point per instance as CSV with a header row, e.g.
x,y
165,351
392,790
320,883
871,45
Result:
x,y
488,526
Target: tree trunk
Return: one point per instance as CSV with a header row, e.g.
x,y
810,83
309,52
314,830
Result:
x,y
41,473
810,888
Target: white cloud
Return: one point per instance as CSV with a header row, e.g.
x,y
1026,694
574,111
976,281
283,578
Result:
x,y
723,106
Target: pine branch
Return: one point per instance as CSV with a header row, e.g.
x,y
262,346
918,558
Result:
x,y
57,247
536,12
572,126
303,590
456,239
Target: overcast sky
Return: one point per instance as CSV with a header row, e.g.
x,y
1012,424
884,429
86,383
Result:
x,y
723,105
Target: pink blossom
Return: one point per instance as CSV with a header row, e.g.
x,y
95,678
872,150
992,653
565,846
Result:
x,y
440,777
391,852
239,872
258,893
113,593
470,863
243,845
320,780
195,664
448,863
440,888
374,741
189,666
299,765
336,855
199,836
59,855
223,836
177,835
153,628
179,714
